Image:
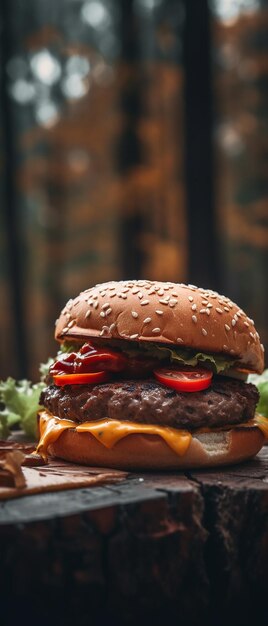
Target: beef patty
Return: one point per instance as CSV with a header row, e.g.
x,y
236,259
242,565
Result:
x,y
226,401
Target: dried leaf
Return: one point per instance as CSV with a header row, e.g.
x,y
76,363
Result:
x,y
12,464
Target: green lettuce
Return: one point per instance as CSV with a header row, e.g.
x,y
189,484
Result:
x,y
19,400
217,363
183,356
261,381
19,405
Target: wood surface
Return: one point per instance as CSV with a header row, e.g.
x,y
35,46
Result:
x,y
187,548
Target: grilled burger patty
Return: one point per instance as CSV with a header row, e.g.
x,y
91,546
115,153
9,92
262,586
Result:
x,y
226,401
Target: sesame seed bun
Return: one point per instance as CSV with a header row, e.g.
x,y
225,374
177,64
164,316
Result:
x,y
150,452
170,313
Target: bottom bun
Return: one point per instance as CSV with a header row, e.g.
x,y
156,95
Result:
x,y
150,452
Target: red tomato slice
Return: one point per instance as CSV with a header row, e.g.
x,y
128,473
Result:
x,y
184,379
81,379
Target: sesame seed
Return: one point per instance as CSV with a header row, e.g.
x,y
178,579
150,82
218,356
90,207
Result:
x,y
209,305
233,322
140,295
102,314
135,290
71,323
173,301
144,302
64,330
160,292
227,327
252,335
225,347
218,310
192,286
226,308
179,340
147,320
112,295
190,298
204,331
159,312
163,301
202,311
96,304
205,302
112,327
134,336
105,306
172,304
88,313
156,330
246,324
108,311
123,295
134,314
194,318
194,307
207,311
262,347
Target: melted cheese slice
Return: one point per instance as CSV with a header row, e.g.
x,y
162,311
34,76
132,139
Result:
x,y
262,423
109,432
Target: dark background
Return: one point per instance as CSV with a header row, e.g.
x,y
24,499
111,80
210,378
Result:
x,y
134,144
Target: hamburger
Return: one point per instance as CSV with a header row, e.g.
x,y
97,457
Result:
x,y
152,375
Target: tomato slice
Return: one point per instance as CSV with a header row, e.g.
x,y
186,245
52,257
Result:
x,y
185,378
81,379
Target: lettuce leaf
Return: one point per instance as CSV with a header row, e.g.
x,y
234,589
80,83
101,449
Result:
x,y
20,402
216,362
261,381
184,356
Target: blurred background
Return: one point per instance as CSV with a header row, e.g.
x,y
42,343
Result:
x,y
133,144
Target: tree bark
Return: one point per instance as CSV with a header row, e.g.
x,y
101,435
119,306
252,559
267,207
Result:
x,y
181,549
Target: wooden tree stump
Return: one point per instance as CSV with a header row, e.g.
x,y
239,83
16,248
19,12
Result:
x,y
187,549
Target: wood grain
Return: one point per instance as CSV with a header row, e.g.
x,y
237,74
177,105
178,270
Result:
x,y
178,548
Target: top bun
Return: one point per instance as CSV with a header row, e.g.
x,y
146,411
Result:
x,y
170,313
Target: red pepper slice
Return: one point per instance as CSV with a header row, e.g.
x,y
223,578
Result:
x,y
81,379
103,359
88,359
184,378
